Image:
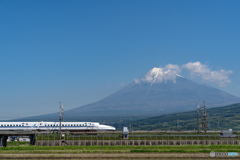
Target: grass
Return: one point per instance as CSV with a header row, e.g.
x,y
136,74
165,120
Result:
x,y
24,148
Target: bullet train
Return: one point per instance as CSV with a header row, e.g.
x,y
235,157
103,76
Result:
x,y
54,126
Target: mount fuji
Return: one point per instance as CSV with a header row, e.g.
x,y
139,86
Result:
x,y
160,91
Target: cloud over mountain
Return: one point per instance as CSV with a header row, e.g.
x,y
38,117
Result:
x,y
171,71
197,69
158,75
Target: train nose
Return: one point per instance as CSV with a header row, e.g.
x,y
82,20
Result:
x,y
113,128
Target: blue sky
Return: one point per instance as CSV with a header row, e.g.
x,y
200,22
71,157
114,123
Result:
x,y
81,51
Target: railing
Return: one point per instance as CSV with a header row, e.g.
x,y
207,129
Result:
x,y
133,137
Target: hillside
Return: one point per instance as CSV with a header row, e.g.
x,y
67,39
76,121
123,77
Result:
x,y
228,116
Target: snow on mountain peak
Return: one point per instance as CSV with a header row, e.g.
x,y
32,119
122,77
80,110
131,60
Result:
x,y
159,75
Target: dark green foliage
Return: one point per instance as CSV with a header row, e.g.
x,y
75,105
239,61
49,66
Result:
x,y
228,116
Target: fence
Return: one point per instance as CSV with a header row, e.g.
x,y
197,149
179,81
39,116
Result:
x,y
116,139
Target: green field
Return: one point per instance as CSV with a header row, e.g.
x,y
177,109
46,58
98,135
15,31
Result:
x,y
17,147
22,150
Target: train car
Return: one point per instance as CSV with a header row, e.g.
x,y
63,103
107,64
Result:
x,y
54,126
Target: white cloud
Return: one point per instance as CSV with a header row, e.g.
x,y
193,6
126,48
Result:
x,y
197,69
137,81
171,71
122,84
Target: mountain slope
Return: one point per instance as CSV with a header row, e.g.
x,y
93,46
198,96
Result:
x,y
159,98
160,91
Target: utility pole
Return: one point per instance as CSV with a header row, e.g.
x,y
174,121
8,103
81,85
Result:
x,y
204,118
132,129
61,119
198,107
178,124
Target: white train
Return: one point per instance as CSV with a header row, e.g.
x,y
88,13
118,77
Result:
x,y
54,126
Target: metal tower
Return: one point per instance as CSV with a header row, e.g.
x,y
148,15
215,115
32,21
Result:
x,y
60,119
204,118
198,108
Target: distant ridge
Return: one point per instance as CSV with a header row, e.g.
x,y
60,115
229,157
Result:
x,y
157,92
218,118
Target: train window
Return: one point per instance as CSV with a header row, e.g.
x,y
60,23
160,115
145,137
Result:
x,y
74,125
16,124
5,125
71,125
8,125
54,125
68,124
1,125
